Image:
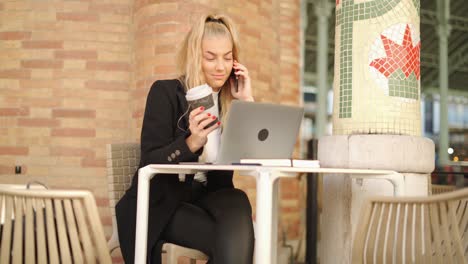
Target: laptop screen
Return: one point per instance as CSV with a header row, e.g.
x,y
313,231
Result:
x,y
259,131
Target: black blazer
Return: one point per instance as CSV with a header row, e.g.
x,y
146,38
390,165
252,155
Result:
x,y
163,137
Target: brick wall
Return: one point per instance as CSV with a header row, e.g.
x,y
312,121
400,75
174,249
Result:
x,y
65,73
74,76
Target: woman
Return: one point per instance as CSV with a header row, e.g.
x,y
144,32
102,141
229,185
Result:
x,y
205,212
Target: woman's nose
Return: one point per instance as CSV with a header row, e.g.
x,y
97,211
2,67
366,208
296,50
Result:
x,y
219,65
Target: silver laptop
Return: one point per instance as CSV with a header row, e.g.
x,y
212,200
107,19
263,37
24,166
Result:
x,y
259,131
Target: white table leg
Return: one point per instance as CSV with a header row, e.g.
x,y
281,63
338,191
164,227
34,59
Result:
x,y
274,220
264,218
141,237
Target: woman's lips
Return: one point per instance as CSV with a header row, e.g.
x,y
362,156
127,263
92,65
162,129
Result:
x,y
218,77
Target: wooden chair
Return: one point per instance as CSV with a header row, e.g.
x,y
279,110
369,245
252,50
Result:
x,y
438,189
122,162
50,226
431,229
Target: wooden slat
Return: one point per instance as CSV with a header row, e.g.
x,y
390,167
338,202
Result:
x,y
84,232
435,227
40,231
418,230
64,247
455,233
377,256
30,239
72,232
462,212
17,257
421,224
361,234
405,234
98,233
388,233
445,232
396,240
392,235
427,234
462,216
414,239
369,242
407,241
5,249
415,248
51,233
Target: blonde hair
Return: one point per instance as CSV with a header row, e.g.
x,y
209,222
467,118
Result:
x,y
189,57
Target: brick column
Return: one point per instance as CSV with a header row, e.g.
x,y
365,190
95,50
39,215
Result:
x,y
269,36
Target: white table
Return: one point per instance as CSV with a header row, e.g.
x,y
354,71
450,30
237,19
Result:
x,y
266,177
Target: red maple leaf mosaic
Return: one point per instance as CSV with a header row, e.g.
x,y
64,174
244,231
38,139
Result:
x,y
405,56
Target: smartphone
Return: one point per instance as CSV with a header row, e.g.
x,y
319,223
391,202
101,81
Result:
x,y
235,80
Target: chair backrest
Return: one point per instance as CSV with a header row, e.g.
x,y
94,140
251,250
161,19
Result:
x,y
438,189
122,162
462,218
50,226
413,230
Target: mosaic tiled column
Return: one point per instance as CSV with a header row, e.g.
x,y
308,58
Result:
x,y
377,77
376,117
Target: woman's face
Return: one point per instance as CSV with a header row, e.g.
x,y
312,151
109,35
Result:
x,y
217,60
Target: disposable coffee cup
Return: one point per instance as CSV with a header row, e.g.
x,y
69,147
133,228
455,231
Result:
x,y
202,96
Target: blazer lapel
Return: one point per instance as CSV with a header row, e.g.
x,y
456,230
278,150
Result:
x,y
183,106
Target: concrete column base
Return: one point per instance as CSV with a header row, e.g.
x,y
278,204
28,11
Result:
x,y
413,157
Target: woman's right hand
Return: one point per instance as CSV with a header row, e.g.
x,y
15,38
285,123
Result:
x,y
198,120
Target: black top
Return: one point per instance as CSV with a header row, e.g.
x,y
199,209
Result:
x,y
163,137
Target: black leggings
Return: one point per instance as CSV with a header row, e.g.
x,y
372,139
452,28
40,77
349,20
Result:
x,y
217,223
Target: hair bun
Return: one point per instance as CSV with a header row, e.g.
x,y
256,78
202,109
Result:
x,y
215,20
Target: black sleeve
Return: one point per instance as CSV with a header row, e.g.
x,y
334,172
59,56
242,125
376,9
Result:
x,y
159,145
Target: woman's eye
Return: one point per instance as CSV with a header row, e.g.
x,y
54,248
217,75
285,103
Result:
x,y
209,59
228,59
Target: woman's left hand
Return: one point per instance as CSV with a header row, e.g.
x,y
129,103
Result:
x,y
244,91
